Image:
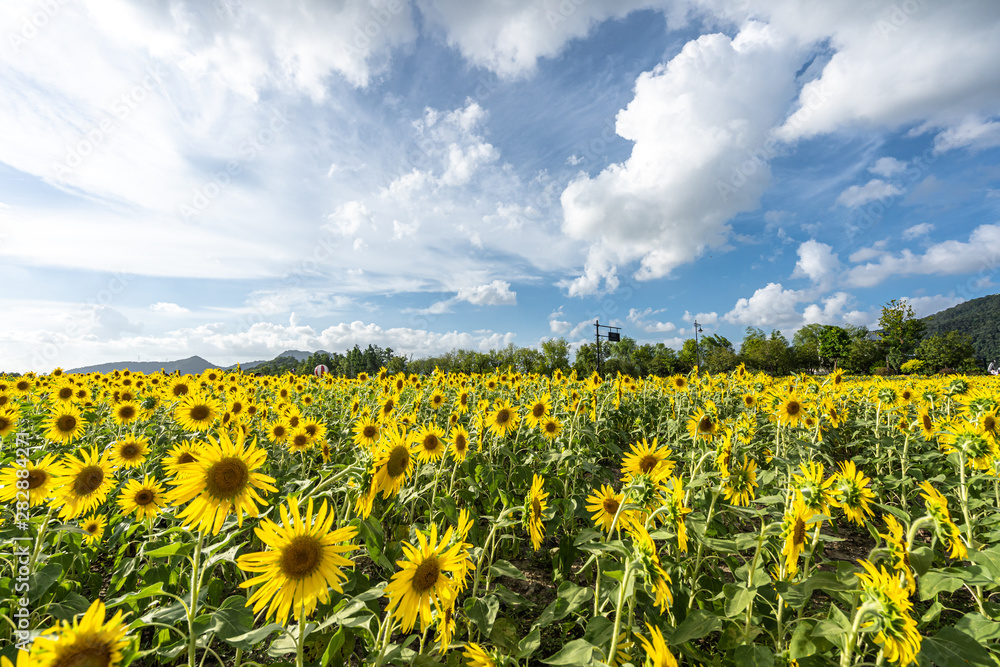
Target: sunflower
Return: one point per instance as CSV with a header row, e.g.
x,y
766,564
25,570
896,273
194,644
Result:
x,y
676,511
83,483
926,422
852,492
791,409
315,428
654,574
702,424
65,424
94,527
278,431
301,564
937,508
179,455
815,491
63,392
503,420
89,641
657,653
741,483
197,412
180,387
897,630
424,579
794,532
445,628
459,439
476,656
604,504
126,412
535,506
429,441
551,428
129,452
437,399
144,499
40,478
648,458
538,411
221,481
976,446
899,551
8,419
299,440
394,462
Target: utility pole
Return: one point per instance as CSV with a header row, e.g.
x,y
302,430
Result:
x,y
697,347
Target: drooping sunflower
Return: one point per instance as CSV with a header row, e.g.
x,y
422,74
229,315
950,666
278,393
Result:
x,y
197,412
899,551
40,478
94,527
503,420
429,441
740,485
937,508
424,579
657,653
394,462
676,511
476,656
648,458
145,499
221,481
897,630
604,504
649,559
129,452
535,507
794,532
83,483
852,492
65,423
301,564
459,439
87,641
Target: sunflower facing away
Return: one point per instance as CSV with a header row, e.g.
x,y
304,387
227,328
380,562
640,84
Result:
x,y
853,494
85,642
897,631
535,506
937,508
145,499
741,483
424,580
83,483
221,481
129,452
657,653
40,477
302,562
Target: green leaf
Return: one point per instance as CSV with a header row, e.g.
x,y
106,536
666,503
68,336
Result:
x,y
41,581
505,635
936,581
69,606
483,612
797,595
697,624
599,631
738,598
233,618
147,592
577,652
509,597
570,597
529,644
247,640
502,568
921,559
755,656
175,549
953,648
804,642
989,560
979,627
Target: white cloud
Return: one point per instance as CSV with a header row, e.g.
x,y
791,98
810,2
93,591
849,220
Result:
x,y
859,195
887,167
556,325
915,231
830,312
168,308
640,319
951,257
770,306
699,125
971,133
701,318
818,262
496,293
348,218
928,305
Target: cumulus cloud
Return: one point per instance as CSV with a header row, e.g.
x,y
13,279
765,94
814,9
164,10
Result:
x,y
640,318
558,326
770,306
887,167
859,195
946,258
496,293
698,125
348,218
818,262
168,308
917,231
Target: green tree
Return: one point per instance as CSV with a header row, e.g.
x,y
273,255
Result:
x,y
834,344
950,350
555,354
664,360
863,353
901,332
687,358
772,355
806,342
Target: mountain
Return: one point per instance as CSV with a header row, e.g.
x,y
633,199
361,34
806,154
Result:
x,y
192,365
979,318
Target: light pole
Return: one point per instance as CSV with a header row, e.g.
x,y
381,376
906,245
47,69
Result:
x,y
697,347
613,336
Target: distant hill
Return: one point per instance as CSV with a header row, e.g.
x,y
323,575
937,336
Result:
x,y
193,365
979,318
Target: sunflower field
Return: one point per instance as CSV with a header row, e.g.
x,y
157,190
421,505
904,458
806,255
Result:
x,y
500,519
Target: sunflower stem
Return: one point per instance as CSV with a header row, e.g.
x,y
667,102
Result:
x,y
300,641
618,610
193,608
852,638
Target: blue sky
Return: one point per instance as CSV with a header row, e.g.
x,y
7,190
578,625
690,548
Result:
x,y
235,178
